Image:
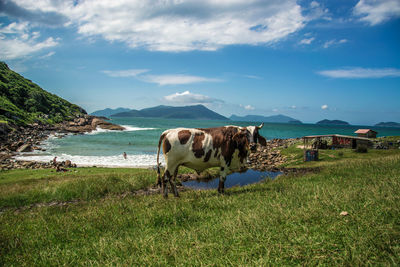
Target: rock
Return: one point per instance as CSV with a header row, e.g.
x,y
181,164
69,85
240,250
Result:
x,y
96,122
81,121
111,126
25,148
68,163
344,213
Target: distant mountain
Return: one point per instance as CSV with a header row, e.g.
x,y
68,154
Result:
x,y
332,122
197,112
388,124
108,112
273,119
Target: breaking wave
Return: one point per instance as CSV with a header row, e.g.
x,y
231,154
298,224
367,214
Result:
x,y
143,160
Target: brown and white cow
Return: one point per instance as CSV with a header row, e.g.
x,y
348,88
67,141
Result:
x,y
199,149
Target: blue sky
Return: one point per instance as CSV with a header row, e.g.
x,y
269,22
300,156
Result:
x,y
310,60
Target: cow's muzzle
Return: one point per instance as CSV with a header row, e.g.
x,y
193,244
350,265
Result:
x,y
253,147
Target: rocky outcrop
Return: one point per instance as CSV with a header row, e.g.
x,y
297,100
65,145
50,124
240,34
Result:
x,y
87,124
8,163
269,158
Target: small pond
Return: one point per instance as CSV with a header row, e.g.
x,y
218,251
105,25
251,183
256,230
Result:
x,y
234,179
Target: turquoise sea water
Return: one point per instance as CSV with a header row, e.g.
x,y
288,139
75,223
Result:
x,y
140,140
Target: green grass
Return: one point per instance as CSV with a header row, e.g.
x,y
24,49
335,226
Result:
x,y
39,186
293,220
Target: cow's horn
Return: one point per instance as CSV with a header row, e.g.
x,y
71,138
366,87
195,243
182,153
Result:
x,y
261,125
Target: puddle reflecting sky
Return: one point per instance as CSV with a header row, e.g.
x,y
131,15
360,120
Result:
x,y
234,179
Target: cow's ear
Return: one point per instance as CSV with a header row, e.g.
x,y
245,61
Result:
x,y
262,140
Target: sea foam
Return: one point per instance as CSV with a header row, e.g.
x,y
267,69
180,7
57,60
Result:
x,y
128,128
143,160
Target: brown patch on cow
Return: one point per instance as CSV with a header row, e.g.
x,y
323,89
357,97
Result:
x,y
197,145
222,139
208,155
241,143
184,136
166,146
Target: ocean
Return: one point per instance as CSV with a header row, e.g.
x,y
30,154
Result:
x,y
140,140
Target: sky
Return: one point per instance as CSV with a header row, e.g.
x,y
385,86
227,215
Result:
x,y
310,60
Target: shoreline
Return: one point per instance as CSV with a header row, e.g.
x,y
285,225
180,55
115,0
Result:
x,y
266,158
28,138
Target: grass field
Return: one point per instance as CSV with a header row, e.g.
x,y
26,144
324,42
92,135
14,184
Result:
x,y
293,220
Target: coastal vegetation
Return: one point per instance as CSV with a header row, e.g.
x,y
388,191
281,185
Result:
x,y
23,102
345,212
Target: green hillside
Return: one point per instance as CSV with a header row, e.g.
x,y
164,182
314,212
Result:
x,y
23,102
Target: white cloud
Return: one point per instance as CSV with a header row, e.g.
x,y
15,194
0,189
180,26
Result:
x,y
190,98
377,11
361,73
334,42
247,107
50,54
175,79
307,41
275,110
16,41
324,107
316,11
254,77
180,25
164,79
124,73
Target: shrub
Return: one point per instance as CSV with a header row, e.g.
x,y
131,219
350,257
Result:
x,y
361,149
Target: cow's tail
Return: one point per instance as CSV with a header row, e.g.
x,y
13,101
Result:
x,y
158,159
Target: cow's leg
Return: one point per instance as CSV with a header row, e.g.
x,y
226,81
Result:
x,y
222,178
165,178
172,182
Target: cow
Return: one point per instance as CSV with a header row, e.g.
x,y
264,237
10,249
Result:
x,y
199,149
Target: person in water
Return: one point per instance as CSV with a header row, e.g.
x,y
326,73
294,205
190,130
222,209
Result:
x,y
125,156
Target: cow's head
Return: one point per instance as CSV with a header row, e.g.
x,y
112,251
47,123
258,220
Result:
x,y
254,137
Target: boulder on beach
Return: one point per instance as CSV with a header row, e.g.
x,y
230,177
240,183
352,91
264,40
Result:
x,y
25,148
96,122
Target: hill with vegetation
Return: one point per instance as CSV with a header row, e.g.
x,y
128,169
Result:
x,y
196,112
332,122
23,102
271,119
388,124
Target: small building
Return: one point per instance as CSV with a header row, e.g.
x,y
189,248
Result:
x,y
368,133
336,141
